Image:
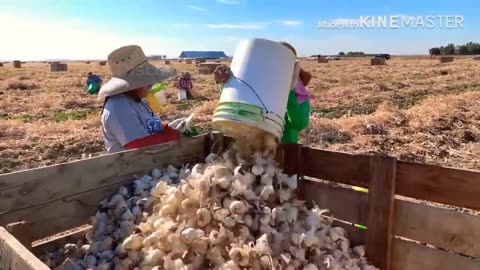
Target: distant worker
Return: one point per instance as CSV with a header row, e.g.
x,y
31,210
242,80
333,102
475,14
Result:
x,y
94,82
185,86
128,121
297,116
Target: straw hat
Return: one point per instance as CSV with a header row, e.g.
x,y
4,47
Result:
x,y
131,70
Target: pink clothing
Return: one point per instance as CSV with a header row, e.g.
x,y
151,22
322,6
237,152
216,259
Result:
x,y
301,92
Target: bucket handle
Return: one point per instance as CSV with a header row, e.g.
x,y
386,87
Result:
x,y
296,71
255,92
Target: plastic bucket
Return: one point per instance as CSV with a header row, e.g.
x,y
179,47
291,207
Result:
x,y
156,98
182,94
254,100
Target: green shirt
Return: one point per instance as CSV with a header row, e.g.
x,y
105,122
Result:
x,y
297,119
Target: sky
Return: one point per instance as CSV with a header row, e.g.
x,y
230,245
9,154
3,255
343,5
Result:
x,y
91,29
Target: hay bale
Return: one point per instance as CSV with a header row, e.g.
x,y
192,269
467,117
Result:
x,y
377,61
204,71
17,64
217,61
102,63
87,62
446,59
188,61
207,68
476,58
322,60
167,62
58,67
1,64
198,61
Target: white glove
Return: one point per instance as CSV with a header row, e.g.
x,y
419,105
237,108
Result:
x,y
182,124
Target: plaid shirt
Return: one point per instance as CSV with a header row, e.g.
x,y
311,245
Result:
x,y
184,84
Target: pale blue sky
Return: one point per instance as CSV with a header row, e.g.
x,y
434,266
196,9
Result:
x,y
78,29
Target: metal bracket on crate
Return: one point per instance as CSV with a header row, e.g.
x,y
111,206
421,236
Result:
x,y
21,231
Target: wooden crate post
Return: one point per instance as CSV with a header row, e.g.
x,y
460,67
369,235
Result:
x,y
13,255
292,159
21,231
381,196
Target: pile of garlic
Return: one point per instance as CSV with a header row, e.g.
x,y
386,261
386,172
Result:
x,y
220,215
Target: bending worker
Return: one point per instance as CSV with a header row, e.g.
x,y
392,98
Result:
x,y
128,122
93,83
297,116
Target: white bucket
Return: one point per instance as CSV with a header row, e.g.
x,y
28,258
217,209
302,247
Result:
x,y
256,96
182,94
161,98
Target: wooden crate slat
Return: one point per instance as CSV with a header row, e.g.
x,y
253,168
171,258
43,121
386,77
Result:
x,y
335,166
448,229
356,235
61,214
439,184
411,256
343,203
13,255
381,197
31,187
53,242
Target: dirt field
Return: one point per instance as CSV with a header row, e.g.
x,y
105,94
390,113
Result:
x,y
415,109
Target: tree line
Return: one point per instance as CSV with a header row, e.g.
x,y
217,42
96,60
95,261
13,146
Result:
x,y
469,48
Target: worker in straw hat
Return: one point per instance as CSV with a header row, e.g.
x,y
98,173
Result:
x,y
128,122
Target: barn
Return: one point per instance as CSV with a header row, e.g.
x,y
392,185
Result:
x,y
202,55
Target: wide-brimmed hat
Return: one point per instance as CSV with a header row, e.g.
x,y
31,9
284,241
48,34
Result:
x,y
131,70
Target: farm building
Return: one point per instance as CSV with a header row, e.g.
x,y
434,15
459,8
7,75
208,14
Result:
x,y
203,55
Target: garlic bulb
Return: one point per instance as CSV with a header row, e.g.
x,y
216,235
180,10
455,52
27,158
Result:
x,y
133,242
237,211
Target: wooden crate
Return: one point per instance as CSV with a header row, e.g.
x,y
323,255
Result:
x,y
446,59
58,67
64,196
207,68
377,61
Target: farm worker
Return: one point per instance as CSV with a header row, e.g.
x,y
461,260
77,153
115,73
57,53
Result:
x,y
128,122
297,116
184,83
93,83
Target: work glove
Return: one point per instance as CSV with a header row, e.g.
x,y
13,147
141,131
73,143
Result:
x,y
221,74
182,124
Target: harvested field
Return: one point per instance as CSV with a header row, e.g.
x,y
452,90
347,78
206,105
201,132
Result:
x,y
415,109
